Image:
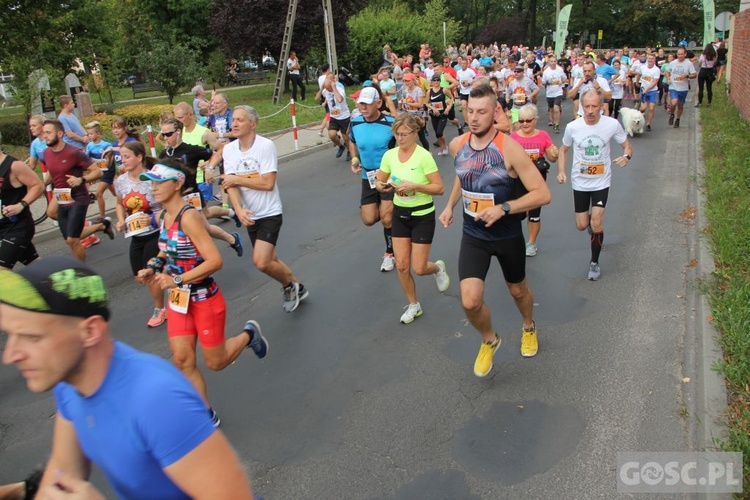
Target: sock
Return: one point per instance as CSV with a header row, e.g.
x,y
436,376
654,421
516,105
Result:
x,y
597,240
388,240
231,212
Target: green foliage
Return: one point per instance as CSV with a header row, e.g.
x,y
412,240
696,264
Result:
x,y
15,132
400,27
170,63
26,77
215,66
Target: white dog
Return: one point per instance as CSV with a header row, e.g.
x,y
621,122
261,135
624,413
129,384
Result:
x,y
632,121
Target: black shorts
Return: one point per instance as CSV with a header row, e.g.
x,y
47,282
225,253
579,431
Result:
x,y
419,229
266,229
536,214
577,96
71,218
475,256
342,125
16,245
554,101
452,113
371,196
143,248
464,97
583,200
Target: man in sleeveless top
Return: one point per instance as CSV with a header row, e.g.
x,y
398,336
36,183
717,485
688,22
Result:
x,y
489,170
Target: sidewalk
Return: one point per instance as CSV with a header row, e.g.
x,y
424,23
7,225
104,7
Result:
x,y
308,142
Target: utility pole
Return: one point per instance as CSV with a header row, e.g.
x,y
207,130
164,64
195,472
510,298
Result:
x,y
330,36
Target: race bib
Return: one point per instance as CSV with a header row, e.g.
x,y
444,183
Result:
x,y
335,112
249,174
476,202
438,105
102,165
179,299
592,168
138,224
63,196
193,199
372,177
533,153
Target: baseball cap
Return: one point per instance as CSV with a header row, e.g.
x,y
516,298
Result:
x,y
519,69
367,83
435,78
56,285
409,77
368,95
161,173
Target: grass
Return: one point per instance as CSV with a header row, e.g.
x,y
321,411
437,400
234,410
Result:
x,y
257,96
727,189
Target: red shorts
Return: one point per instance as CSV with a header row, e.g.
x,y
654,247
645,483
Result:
x,y
204,319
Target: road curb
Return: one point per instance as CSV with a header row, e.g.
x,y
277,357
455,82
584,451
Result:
x,y
711,401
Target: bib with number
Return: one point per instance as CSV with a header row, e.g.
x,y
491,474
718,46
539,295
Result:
x,y
63,196
179,299
335,112
193,199
137,224
592,168
372,177
533,154
476,202
249,174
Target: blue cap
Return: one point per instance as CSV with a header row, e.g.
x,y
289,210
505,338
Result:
x,y
367,83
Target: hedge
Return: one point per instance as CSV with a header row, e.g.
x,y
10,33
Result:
x,y
15,132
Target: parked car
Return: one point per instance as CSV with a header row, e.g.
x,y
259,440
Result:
x,y
269,62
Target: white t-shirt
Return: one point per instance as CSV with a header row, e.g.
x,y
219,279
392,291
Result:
x,y
618,84
321,79
338,110
465,77
290,63
576,72
603,84
553,80
680,70
259,159
635,66
428,72
649,76
592,167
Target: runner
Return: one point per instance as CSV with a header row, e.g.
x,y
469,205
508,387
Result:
x,y
36,158
95,149
413,101
488,166
187,258
650,74
412,173
19,188
371,137
617,84
554,79
576,74
439,105
541,150
464,76
251,167
130,413
137,210
335,96
70,169
591,174
678,74
589,80
520,91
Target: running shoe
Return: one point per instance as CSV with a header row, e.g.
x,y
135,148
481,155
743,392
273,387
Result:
x,y
389,262
446,152
340,151
648,128
557,129
551,124
483,363
531,249
594,271
529,342
671,118
440,152
412,311
441,277
108,229
677,123
258,342
460,131
237,245
437,145
215,420
303,292
291,296
90,241
158,318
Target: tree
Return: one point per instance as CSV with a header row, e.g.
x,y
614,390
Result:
x,y
27,74
171,63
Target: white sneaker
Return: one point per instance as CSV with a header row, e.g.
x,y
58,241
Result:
x,y
441,277
412,311
531,249
446,152
389,262
440,152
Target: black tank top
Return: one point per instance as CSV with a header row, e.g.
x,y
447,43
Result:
x,y
437,99
10,195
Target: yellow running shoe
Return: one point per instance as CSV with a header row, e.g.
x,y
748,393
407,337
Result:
x,y
483,363
529,342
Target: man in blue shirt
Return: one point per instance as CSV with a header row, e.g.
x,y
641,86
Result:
x,y
74,134
132,414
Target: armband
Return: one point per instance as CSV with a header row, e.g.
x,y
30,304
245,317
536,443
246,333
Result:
x,y
156,264
24,203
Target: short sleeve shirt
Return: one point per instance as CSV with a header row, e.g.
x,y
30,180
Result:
x,y
258,160
592,167
678,72
534,146
553,80
415,169
70,122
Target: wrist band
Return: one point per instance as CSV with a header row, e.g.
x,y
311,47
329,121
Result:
x,y
24,203
156,264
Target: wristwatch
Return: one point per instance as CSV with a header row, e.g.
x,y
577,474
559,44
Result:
x,y
178,280
628,157
506,208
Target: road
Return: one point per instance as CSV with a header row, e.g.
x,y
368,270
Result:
x,y
351,404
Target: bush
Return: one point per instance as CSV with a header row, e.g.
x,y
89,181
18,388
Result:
x,y
15,132
140,115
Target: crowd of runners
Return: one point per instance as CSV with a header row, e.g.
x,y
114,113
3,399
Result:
x,y
214,165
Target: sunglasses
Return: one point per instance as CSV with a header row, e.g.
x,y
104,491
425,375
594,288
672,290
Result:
x,y
526,121
169,134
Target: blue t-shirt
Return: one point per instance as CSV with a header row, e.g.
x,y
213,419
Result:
x,y
483,174
144,417
70,122
96,151
485,61
373,139
221,124
116,154
606,71
37,149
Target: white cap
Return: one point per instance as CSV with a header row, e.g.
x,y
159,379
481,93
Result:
x,y
368,95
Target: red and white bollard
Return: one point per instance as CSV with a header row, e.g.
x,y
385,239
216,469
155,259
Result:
x,y
294,125
151,140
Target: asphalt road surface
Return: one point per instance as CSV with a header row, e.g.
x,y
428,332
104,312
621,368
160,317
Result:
x,y
349,403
